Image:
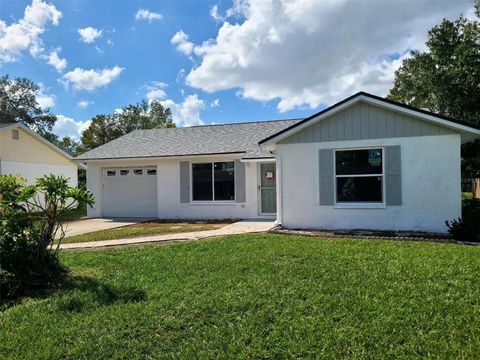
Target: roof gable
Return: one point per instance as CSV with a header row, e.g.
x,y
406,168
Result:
x,y
430,122
41,139
362,121
30,147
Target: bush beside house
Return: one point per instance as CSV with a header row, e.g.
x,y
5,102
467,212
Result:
x,y
467,228
30,219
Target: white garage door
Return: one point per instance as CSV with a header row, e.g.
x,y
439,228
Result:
x,y
130,192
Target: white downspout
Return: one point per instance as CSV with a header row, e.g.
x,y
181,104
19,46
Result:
x,y
279,220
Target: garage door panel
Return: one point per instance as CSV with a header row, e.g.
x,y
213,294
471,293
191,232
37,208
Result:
x,y
130,192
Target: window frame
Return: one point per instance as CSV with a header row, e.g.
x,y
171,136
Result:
x,y
359,205
192,201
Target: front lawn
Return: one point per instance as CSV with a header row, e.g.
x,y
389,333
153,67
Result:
x,y
256,296
157,227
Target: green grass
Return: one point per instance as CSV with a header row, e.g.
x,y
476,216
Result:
x,y
144,229
257,296
75,214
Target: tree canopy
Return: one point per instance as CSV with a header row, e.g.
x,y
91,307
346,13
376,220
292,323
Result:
x,y
446,79
143,115
19,103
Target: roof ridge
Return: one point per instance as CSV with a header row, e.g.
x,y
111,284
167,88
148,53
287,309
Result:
x,y
228,124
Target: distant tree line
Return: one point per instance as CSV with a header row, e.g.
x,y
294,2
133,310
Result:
x,y
19,103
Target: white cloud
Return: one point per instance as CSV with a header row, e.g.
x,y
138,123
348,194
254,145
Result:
x,y
84,103
214,13
89,34
307,53
91,79
144,14
186,113
155,90
181,42
215,103
99,51
45,101
25,33
156,94
57,62
66,126
239,8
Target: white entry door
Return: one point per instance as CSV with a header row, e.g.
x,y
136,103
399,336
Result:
x,y
130,192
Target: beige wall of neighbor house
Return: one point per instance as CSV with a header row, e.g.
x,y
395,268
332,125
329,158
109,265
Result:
x,y
28,149
25,155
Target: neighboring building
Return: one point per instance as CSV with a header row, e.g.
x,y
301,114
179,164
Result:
x,y
27,154
364,163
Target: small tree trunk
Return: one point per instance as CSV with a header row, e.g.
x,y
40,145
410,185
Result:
x,y
476,188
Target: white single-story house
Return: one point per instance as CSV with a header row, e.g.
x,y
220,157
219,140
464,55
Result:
x,y
25,153
363,163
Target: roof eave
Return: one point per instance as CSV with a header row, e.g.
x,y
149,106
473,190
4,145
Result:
x,y
153,157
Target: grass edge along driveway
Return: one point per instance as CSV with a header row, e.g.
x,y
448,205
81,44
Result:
x,y
256,296
148,228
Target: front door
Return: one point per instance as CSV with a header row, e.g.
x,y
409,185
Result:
x,y
268,190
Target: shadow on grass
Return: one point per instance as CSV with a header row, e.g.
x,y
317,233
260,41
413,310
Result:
x,y
80,293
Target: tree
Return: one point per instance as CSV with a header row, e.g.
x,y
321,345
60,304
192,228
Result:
x,y
67,143
18,103
143,115
446,79
101,130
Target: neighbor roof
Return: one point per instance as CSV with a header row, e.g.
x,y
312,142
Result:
x,y
2,125
463,127
238,138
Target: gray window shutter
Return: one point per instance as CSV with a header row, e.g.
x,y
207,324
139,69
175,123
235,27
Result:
x,y
393,175
326,177
184,182
240,193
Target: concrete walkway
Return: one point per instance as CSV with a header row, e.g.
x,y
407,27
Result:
x,y
84,226
240,227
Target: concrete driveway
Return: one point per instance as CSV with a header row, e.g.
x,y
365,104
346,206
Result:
x,y
240,227
85,226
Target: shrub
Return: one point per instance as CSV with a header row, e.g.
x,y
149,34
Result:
x,y
30,219
467,228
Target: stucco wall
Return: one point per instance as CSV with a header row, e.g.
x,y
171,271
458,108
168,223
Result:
x,y
168,193
31,172
430,186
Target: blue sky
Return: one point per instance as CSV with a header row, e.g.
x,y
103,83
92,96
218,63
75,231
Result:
x,y
210,61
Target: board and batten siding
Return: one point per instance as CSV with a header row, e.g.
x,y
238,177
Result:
x,y
363,121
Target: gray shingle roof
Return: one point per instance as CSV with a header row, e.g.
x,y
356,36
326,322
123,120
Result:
x,y
2,125
196,140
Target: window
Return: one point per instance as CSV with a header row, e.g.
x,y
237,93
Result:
x,y
359,176
124,172
15,134
151,172
111,173
213,181
138,172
